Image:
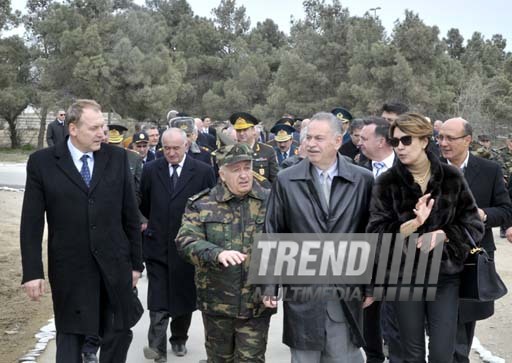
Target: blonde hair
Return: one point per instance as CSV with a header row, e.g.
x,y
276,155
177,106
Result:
x,y
412,124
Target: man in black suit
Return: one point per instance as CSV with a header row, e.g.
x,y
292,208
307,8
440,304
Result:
x,y
166,185
204,139
94,249
207,128
485,179
57,131
380,321
351,148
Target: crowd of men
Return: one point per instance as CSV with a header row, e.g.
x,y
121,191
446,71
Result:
x,y
187,201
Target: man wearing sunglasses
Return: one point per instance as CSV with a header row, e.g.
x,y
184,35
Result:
x,y
485,179
57,131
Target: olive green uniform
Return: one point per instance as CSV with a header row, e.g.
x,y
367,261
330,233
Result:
x,y
236,321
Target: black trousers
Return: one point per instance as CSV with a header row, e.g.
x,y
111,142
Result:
x,y
441,319
465,334
380,324
157,334
114,343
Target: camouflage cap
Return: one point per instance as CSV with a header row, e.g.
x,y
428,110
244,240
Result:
x,y
231,154
183,123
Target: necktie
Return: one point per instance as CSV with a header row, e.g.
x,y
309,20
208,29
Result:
x,y
285,155
326,186
174,176
85,172
378,166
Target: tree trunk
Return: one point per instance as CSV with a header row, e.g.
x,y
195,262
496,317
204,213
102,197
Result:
x,y
42,127
13,133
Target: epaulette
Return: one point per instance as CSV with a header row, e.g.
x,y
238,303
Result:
x,y
199,195
205,149
258,176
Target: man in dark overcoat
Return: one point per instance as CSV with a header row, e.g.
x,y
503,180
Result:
x,y
56,130
485,179
86,191
166,185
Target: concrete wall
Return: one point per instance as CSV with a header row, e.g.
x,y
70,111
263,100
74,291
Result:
x,y
28,128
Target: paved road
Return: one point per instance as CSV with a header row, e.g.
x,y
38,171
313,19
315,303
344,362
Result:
x,y
276,351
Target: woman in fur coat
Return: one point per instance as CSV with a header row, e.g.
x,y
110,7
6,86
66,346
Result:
x,y
421,195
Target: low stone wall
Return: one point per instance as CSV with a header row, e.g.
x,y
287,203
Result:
x,y
28,128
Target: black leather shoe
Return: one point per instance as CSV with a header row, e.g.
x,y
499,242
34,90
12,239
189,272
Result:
x,y
179,349
90,358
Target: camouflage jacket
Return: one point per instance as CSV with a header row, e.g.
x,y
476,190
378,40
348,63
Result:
x,y
215,221
506,161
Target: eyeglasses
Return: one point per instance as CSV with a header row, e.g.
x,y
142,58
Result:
x,y
405,140
62,114
441,138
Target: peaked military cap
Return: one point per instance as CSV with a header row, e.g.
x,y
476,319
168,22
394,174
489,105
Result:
x,y
243,120
233,153
285,121
342,114
186,124
484,138
283,132
140,137
115,133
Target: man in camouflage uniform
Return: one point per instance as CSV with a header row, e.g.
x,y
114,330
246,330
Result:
x,y
484,149
216,236
506,157
263,156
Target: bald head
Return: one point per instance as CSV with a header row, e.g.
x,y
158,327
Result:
x,y
437,125
199,123
454,140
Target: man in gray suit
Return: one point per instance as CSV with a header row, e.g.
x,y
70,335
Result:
x,y
57,131
323,193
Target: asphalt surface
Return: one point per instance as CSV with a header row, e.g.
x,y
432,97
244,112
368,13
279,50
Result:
x,y
12,175
277,352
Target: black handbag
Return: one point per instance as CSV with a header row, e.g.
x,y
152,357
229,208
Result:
x,y
479,279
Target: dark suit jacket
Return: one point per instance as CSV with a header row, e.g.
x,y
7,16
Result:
x,y
206,140
293,151
164,205
93,235
56,133
349,149
485,179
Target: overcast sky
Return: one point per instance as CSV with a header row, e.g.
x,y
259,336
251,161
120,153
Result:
x,y
488,17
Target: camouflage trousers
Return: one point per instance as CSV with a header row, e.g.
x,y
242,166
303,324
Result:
x,y
230,340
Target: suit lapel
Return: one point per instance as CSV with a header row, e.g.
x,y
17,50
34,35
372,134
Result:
x,y
186,174
66,164
472,170
101,158
163,174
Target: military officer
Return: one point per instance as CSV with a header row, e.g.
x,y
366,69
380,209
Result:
x,y
216,236
115,137
506,157
285,120
345,118
283,137
264,156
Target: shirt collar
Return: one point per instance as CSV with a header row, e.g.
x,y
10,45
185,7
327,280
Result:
x,y
76,154
332,171
388,162
464,164
180,163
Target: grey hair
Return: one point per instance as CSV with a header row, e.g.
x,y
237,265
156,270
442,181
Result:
x,y
334,123
175,130
303,134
